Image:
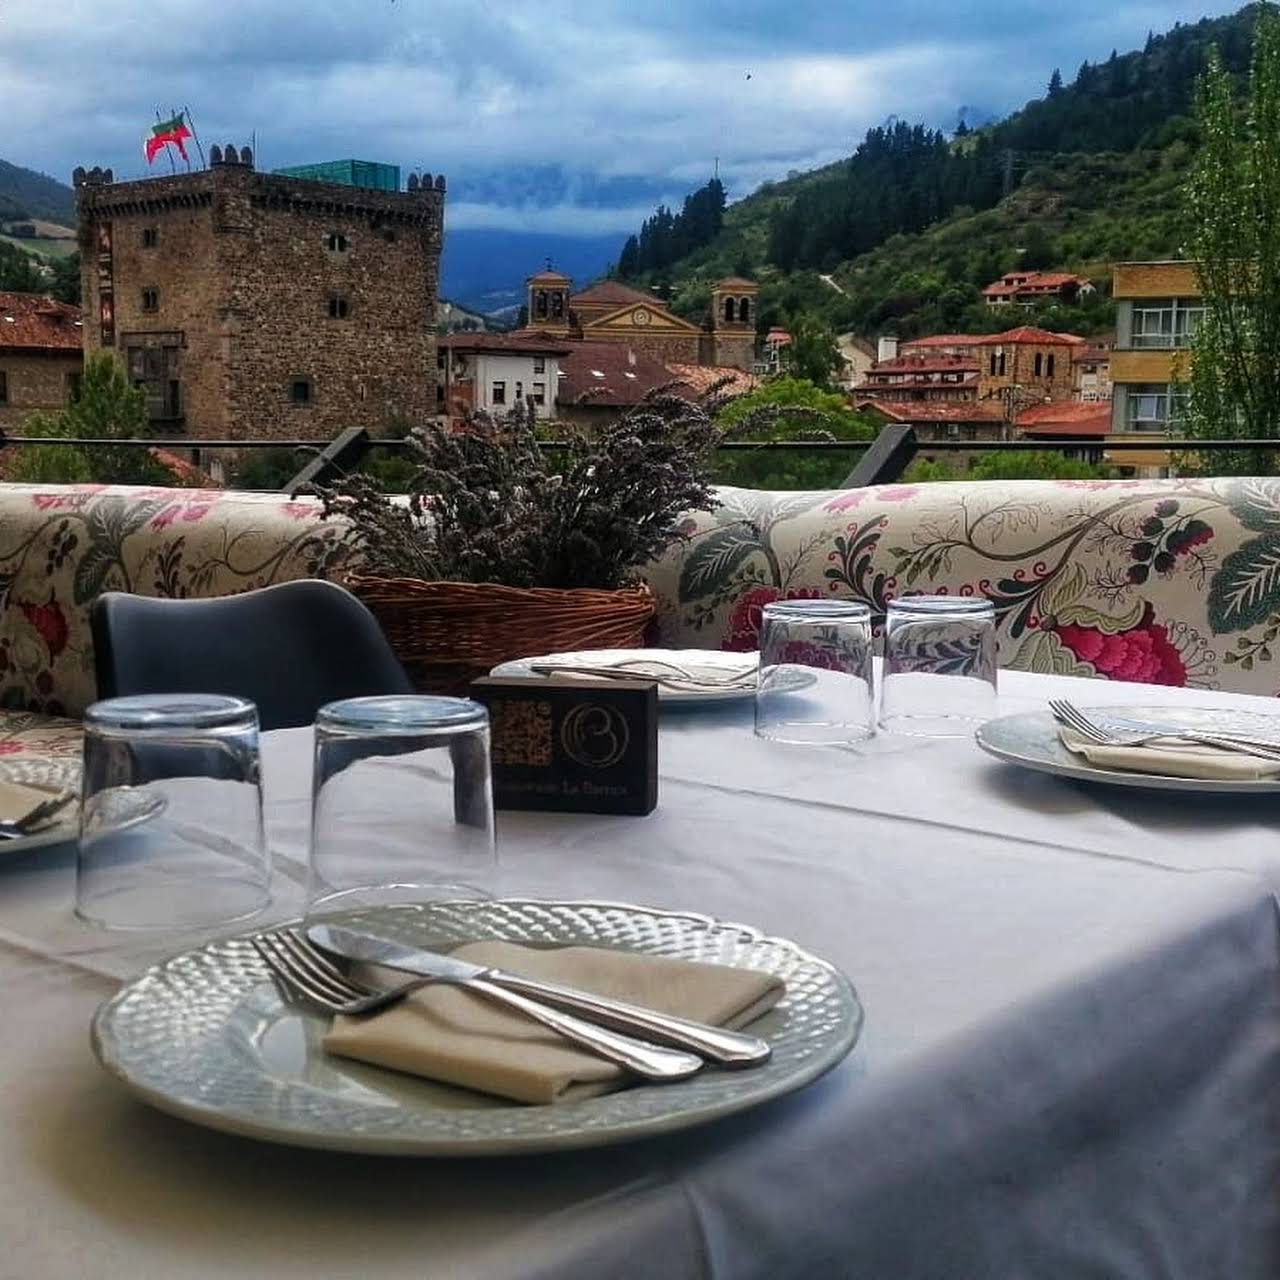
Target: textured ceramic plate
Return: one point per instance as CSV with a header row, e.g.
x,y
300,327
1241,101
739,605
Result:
x,y
206,1036
126,808
712,659
1031,740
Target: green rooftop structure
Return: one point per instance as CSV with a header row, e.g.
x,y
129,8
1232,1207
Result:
x,y
348,173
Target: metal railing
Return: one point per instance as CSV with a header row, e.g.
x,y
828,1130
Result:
x,y
882,461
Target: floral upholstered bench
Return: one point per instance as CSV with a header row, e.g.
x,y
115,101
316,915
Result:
x,y
1173,582
1165,582
60,546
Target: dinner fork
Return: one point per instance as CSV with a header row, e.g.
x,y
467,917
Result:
x,y
305,973
1068,714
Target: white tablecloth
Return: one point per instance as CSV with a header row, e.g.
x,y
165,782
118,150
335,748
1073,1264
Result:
x,y
1070,1064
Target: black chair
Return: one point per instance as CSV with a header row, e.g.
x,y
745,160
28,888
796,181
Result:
x,y
290,648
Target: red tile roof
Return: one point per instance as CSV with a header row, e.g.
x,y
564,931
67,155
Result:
x,y
935,410
548,277
911,363
1033,336
888,390
1067,417
1033,282
700,378
30,322
521,342
609,374
736,282
609,293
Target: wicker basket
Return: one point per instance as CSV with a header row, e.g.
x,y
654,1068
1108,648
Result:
x,y
448,633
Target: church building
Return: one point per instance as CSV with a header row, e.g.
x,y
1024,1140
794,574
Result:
x,y
610,311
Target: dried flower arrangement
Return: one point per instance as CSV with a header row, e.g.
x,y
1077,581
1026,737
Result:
x,y
489,504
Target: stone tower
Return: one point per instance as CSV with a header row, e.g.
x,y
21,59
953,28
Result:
x,y
547,299
251,305
733,323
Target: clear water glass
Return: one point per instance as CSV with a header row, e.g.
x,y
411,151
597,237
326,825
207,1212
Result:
x,y
401,803
171,833
815,683
939,675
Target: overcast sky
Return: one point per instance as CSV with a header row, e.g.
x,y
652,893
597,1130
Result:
x,y
552,115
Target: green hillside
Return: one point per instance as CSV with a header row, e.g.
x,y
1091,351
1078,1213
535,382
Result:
x,y
912,225
24,193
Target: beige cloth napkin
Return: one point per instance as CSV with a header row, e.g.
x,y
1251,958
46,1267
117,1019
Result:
x,y
450,1034
1174,758
17,800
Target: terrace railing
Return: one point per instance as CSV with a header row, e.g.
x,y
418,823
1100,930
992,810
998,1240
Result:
x,y
881,461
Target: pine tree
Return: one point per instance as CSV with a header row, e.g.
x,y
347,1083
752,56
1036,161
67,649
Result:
x,y
1055,83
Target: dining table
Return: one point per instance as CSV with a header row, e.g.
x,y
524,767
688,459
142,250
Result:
x,y
1069,1064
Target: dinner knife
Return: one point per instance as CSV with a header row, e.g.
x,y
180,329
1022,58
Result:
x,y
716,1044
1225,737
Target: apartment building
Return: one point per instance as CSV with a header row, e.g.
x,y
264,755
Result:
x,y
1158,307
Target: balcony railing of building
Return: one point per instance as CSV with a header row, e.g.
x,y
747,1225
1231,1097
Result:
x,y
879,461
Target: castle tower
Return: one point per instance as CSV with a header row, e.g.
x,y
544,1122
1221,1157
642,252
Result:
x,y
547,298
251,305
733,323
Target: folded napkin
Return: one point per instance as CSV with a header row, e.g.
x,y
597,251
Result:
x,y
451,1034
18,801
1174,758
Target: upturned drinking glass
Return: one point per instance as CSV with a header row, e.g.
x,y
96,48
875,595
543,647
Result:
x,y
171,833
815,683
939,675
401,803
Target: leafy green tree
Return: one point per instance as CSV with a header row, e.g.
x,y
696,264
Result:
x,y
812,354
65,285
1233,210
791,409
106,407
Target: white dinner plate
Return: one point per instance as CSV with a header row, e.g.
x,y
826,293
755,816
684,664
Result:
x,y
206,1036
714,660
126,807
1031,740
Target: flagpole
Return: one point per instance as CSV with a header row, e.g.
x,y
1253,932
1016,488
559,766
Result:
x,y
195,137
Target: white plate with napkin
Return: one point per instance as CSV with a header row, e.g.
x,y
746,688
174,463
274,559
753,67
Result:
x,y
683,675
1035,740
30,784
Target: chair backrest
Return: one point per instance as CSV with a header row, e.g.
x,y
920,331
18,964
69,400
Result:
x,y
291,648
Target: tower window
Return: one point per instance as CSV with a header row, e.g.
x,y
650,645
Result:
x,y
557,304
1049,368
336,242
151,299
300,391
540,303
1039,369
150,237
339,307
728,310
744,310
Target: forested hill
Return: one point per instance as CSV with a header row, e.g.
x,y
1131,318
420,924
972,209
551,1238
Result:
x,y
24,193
1087,173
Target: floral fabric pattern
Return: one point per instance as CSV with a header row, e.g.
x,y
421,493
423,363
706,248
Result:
x,y
1173,582
61,546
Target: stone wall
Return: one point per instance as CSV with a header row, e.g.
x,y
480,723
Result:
x,y
1020,370
246,265
34,382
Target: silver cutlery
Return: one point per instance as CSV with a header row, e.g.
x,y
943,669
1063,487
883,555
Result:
x,y
37,818
667,673
1141,732
303,971
717,1044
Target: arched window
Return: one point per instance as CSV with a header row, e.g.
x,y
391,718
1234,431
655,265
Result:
x,y
1039,364
1049,367
336,242
557,304
728,310
540,303
744,310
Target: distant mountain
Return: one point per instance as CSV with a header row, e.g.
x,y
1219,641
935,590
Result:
x,y
486,269
24,193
